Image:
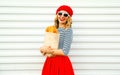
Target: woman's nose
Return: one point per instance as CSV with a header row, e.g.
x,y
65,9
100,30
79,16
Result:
x,y
62,15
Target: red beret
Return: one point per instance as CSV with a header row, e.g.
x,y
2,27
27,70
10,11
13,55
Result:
x,y
65,8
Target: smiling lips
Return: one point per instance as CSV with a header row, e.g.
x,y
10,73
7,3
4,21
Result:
x,y
62,19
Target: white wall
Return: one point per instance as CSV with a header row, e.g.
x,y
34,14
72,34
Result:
x,y
95,48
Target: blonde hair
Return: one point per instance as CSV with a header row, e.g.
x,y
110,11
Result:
x,y
68,23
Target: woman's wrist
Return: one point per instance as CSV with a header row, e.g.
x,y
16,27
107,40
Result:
x,y
58,52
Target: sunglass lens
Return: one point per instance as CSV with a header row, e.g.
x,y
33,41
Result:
x,y
65,15
59,13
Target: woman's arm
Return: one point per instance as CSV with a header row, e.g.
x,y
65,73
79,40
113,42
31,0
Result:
x,y
66,44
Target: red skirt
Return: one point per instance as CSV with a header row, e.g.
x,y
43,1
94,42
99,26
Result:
x,y
59,65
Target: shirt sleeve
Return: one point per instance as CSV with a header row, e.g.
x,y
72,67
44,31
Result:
x,y
67,41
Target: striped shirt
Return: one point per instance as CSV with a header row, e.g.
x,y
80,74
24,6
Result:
x,y
66,36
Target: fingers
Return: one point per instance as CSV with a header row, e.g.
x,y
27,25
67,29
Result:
x,y
50,51
43,48
47,51
50,55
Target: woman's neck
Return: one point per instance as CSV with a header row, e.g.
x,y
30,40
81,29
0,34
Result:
x,y
62,25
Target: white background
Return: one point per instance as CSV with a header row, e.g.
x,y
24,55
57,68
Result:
x,y
96,45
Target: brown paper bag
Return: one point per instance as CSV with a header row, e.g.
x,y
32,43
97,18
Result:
x,y
51,37
52,40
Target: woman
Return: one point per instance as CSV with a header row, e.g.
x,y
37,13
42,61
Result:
x,y
59,63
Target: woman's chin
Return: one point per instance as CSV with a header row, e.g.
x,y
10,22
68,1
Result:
x,y
62,22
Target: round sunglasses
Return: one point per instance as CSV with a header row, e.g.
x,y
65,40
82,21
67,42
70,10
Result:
x,y
64,14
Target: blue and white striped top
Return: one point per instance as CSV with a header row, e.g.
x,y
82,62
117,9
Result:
x,y
66,36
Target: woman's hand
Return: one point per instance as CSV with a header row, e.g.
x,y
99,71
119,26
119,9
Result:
x,y
42,49
46,50
57,52
51,53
